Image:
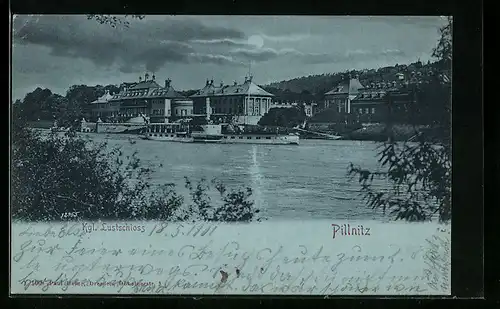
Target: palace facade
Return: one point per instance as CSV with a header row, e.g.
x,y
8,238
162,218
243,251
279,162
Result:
x,y
245,103
147,100
340,96
375,101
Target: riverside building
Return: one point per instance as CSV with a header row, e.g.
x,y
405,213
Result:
x,y
244,103
148,100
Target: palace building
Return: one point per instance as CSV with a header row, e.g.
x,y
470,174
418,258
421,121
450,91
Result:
x,y
374,102
246,103
340,97
147,99
102,107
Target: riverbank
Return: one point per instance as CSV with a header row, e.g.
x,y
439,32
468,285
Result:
x,y
372,132
376,132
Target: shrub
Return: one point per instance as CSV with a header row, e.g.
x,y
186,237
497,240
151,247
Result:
x,y
236,204
420,178
55,174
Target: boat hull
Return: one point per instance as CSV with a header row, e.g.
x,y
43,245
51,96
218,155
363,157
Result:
x,y
169,138
227,139
260,139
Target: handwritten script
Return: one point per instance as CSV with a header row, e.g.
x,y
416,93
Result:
x,y
203,258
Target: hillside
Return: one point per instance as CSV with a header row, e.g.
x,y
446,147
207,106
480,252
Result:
x,y
317,85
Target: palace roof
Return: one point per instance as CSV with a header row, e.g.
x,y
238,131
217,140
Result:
x,y
247,88
147,90
103,99
347,86
378,91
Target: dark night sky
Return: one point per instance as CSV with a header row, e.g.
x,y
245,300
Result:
x,y
56,51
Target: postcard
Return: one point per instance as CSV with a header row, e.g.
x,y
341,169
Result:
x,y
230,155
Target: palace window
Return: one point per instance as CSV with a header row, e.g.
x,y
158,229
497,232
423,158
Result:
x,y
367,110
360,111
373,110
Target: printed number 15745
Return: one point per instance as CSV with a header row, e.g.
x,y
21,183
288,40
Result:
x,y
73,214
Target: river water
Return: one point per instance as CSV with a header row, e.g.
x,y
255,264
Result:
x,y
288,182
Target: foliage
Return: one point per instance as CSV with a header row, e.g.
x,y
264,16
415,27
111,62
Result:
x,y
113,21
420,179
188,93
68,110
318,85
38,104
283,117
443,50
55,174
419,172
236,204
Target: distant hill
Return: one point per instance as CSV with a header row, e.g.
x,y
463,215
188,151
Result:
x,y
318,85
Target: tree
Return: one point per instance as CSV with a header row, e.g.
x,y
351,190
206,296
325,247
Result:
x,y
443,49
113,21
37,105
54,174
283,117
418,173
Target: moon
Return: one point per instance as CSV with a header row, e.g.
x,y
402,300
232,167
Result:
x,y
256,40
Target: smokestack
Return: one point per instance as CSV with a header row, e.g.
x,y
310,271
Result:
x,y
207,107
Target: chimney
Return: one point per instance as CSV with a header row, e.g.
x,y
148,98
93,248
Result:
x,y
140,79
146,76
221,84
211,82
153,77
208,83
207,107
167,83
235,83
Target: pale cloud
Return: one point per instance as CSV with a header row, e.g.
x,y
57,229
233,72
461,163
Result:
x,y
286,38
60,50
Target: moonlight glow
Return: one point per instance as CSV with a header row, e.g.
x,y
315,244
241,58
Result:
x,y
256,40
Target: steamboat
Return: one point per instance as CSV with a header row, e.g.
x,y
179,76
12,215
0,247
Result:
x,y
218,133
